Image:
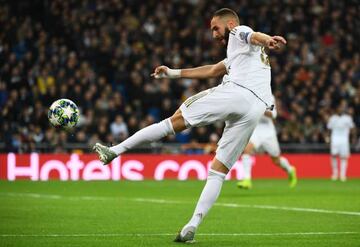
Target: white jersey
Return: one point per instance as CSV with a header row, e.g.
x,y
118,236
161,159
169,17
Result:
x,y
246,64
340,126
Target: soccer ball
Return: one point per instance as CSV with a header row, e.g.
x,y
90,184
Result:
x,y
63,114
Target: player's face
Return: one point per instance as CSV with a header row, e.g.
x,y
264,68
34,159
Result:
x,y
219,30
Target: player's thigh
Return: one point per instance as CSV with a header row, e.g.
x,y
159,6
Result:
x,y
271,146
236,136
335,149
226,101
344,151
204,108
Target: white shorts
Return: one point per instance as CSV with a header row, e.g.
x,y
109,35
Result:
x,y
340,149
269,143
239,108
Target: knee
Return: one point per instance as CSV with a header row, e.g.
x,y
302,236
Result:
x,y
178,122
213,174
219,167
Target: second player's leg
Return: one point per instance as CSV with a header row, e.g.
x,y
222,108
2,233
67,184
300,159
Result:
x,y
272,147
284,164
247,162
335,151
344,155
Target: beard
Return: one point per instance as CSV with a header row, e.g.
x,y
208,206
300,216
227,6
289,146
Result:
x,y
224,39
226,34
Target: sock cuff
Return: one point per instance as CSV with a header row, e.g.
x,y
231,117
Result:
x,y
169,125
217,174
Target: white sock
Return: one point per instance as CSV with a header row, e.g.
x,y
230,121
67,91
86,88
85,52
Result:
x,y
284,163
247,164
207,198
334,166
148,134
343,167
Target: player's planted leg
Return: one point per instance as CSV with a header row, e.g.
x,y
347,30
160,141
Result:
x,y
207,198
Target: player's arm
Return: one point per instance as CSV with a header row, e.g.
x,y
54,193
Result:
x,y
271,42
202,72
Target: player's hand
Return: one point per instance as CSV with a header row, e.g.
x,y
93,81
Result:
x,y
276,42
165,72
161,72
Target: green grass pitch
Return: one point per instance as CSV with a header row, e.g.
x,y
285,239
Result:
x,y
315,213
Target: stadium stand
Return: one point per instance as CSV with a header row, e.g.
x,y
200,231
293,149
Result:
x,y
100,54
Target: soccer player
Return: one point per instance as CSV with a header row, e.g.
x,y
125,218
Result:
x,y
240,100
340,125
264,137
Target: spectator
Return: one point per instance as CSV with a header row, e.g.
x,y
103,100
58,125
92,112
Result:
x,y
119,129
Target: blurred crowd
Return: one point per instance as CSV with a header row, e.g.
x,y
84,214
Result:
x,y
100,54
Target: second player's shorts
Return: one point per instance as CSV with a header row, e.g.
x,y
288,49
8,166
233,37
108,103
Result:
x,y
267,143
239,108
340,149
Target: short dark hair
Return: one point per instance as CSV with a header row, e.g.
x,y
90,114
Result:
x,y
226,12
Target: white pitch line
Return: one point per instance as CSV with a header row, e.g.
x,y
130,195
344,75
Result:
x,y
312,210
172,234
163,201
234,205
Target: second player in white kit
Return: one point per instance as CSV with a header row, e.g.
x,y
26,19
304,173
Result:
x,y
264,135
340,125
264,138
239,101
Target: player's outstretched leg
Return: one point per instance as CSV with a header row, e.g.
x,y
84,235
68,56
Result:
x,y
106,155
148,134
247,165
207,198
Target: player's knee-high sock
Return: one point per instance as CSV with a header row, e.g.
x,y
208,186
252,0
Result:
x,y
334,166
150,133
284,163
247,165
207,198
343,168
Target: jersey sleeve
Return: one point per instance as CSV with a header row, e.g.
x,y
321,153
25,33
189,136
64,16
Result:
x,y
243,34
